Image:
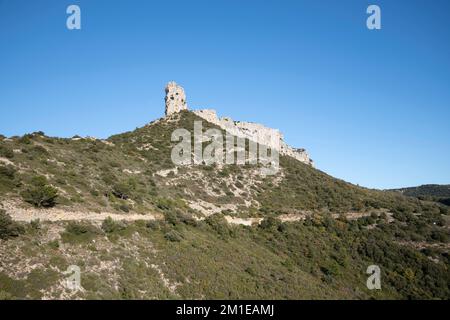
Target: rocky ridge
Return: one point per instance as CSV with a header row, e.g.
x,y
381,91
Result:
x,y
176,102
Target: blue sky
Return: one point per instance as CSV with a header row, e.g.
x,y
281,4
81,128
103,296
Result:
x,y
371,107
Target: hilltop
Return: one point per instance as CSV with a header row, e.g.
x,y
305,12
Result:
x,y
202,231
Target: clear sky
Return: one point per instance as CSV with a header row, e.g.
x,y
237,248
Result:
x,y
371,107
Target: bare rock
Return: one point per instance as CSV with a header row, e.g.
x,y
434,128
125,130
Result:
x,y
175,98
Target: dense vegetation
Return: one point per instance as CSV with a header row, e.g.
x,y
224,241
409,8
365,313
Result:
x,y
429,192
9,228
318,258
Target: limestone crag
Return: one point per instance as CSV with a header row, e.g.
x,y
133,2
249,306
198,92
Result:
x,y
257,132
175,98
273,138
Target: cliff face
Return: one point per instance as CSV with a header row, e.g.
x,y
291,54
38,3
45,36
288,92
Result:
x,y
176,102
175,98
256,132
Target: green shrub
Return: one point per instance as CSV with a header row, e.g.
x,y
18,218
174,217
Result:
x,y
35,224
173,236
188,220
54,244
111,226
107,176
7,172
7,178
26,139
440,235
79,228
76,232
40,194
38,151
164,203
8,227
219,225
6,152
121,191
124,207
331,269
238,184
5,296
270,223
171,217
152,225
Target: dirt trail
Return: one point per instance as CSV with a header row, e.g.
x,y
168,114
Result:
x,y
54,214
243,221
257,221
19,213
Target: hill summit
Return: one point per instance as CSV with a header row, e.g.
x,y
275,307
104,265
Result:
x,y
138,226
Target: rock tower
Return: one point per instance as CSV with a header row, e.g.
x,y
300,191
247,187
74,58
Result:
x,y
175,98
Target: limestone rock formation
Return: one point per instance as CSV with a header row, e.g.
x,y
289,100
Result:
x,y
175,98
257,132
273,138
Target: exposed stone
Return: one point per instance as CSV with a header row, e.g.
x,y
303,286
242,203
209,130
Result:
x,y
175,98
272,138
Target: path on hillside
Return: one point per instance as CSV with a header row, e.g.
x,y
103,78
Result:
x,y
18,213
54,214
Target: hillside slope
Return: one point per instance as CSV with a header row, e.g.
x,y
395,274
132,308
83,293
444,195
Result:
x,y
431,192
203,231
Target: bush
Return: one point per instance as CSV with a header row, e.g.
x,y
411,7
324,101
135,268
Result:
x,y
7,178
26,139
219,224
5,296
38,151
8,227
152,225
173,236
7,172
121,191
124,207
270,223
6,152
76,228
238,185
165,203
40,194
188,220
111,226
331,269
439,235
172,217
35,224
76,232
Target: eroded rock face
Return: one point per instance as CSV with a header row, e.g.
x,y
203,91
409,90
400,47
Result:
x,y
272,138
175,98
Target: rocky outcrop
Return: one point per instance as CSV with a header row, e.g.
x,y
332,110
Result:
x,y
273,138
175,98
257,132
